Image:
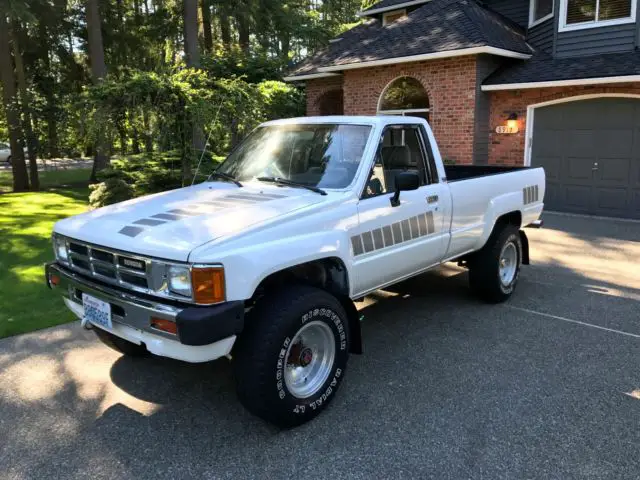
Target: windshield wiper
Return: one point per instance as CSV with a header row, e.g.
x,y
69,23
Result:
x,y
226,176
290,183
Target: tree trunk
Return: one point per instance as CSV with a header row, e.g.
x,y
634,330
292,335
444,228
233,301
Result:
x,y
20,178
285,45
25,103
192,55
225,29
98,72
243,30
148,140
206,25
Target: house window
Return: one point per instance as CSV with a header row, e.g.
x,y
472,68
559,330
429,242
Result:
x,y
405,96
540,10
579,14
394,16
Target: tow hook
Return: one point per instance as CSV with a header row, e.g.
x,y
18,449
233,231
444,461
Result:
x,y
86,324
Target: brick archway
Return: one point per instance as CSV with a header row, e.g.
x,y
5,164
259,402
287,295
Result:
x,y
331,103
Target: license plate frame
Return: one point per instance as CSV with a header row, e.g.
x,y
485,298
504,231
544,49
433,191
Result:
x,y
96,311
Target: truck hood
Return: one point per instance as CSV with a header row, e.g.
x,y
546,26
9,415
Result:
x,y
170,225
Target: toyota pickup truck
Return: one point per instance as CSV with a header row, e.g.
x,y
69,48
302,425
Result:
x,y
263,262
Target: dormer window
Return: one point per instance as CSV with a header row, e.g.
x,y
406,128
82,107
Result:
x,y
394,16
540,11
581,14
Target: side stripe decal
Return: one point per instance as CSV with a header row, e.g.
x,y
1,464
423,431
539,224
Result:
x,y
400,232
530,194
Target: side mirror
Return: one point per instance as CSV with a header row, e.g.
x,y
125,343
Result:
x,y
404,182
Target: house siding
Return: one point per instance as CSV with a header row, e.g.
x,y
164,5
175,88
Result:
x,y
510,149
541,36
451,86
515,10
591,41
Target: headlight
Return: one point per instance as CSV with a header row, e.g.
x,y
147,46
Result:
x,y
60,249
180,280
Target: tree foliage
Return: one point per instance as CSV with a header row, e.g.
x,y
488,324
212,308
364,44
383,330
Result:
x,y
126,77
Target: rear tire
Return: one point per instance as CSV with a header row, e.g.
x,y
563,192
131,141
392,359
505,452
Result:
x,y
495,269
292,356
120,344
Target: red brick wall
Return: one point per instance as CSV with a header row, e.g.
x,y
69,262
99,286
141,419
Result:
x,y
450,84
316,89
509,149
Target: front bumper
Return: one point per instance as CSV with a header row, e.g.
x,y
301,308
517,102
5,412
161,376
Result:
x,y
203,333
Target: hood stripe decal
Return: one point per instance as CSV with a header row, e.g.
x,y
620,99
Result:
x,y
130,231
196,209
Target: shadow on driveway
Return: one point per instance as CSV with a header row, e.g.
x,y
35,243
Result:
x,y
447,388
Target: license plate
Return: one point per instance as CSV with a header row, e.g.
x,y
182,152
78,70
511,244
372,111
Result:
x,y
96,311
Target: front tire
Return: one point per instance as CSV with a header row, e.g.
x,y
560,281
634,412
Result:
x,y
9,160
494,272
121,345
292,356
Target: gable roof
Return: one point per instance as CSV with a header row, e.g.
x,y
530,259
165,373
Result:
x,y
545,71
437,29
389,5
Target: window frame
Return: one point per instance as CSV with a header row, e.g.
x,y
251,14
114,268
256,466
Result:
x,y
431,176
532,9
564,27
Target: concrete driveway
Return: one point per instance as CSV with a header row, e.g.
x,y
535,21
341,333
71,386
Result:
x,y
546,386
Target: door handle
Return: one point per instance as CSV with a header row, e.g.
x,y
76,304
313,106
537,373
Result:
x,y
595,167
432,199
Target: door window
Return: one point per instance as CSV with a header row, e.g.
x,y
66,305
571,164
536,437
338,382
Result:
x,y
400,151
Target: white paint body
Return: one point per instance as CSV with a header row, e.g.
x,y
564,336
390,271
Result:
x,y
256,240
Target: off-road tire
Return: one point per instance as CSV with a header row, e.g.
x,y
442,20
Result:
x,y
261,350
120,344
484,267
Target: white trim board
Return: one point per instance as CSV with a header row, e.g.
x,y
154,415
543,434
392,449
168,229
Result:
x,y
531,110
561,83
428,56
397,6
310,76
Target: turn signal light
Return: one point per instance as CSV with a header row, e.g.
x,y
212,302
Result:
x,y
164,325
208,284
54,280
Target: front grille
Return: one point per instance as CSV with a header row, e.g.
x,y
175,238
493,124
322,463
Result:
x,y
109,266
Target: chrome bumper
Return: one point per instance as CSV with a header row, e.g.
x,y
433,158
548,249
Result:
x,y
210,335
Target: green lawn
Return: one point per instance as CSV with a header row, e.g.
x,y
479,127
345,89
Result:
x,y
26,221
50,179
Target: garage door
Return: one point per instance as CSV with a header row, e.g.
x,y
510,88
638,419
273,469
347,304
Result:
x,y
590,150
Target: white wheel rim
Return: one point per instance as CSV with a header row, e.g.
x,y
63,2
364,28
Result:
x,y
508,264
309,359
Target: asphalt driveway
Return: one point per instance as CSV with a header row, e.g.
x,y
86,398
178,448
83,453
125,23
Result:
x,y
546,386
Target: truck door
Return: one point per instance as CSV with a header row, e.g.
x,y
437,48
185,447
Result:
x,y
391,243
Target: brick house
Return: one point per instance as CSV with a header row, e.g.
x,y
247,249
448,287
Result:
x,y
552,83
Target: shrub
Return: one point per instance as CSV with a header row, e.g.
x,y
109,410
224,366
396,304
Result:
x,y
112,190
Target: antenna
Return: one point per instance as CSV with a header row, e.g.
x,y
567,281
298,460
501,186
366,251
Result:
x,y
206,144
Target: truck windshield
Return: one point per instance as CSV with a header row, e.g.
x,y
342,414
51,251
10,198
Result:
x,y
320,155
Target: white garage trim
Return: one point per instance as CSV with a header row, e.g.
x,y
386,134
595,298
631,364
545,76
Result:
x,y
528,139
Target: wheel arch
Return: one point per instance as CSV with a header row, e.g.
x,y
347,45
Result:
x,y
329,274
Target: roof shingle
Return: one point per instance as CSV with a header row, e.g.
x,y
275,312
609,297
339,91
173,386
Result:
x,y
543,68
437,26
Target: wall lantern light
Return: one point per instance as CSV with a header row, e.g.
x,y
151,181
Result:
x,y
512,121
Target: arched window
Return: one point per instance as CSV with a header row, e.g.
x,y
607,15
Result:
x,y
404,96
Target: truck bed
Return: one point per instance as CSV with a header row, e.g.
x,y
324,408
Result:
x,y
456,173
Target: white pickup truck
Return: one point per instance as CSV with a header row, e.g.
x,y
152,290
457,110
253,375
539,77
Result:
x,y
263,262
